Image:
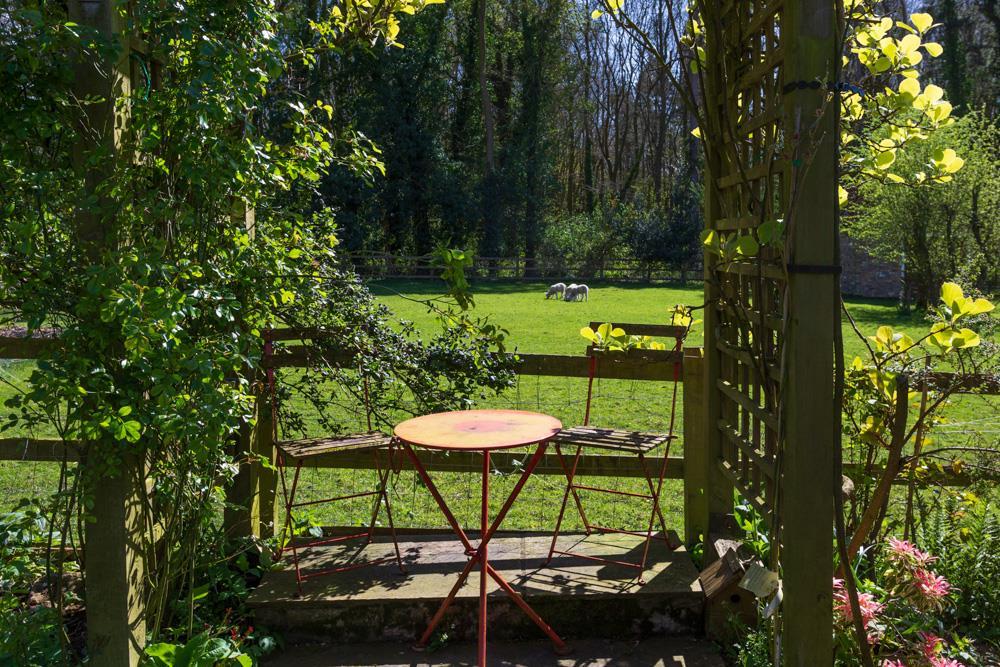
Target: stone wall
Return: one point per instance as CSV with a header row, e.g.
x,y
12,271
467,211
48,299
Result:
x,y
864,275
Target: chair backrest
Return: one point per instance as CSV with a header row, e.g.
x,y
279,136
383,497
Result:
x,y
677,333
272,335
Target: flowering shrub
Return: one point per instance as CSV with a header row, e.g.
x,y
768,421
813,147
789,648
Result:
x,y
901,612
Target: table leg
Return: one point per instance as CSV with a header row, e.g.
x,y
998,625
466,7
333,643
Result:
x,y
479,555
484,557
561,647
452,521
439,614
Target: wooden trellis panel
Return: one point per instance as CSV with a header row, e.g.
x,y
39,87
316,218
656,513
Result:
x,y
749,187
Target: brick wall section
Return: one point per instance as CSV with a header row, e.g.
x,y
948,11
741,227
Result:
x,y
863,275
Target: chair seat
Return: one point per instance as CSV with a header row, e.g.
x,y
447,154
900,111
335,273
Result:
x,y
633,442
308,447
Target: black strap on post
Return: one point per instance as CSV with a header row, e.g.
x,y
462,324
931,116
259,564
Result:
x,y
820,269
816,85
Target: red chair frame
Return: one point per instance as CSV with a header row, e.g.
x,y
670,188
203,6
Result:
x,y
370,441
655,484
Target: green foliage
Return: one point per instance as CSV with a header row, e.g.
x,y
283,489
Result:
x,y
19,530
609,338
949,231
870,398
755,528
754,650
581,242
29,634
200,651
964,534
894,113
614,339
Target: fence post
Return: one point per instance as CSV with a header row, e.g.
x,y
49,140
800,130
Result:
x,y
696,472
250,498
114,567
267,478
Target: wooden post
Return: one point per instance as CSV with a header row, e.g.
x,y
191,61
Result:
x,y
113,566
266,478
250,498
696,458
806,494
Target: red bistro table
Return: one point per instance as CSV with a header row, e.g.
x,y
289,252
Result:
x,y
483,431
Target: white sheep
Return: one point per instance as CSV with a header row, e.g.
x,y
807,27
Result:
x,y
570,294
556,290
582,293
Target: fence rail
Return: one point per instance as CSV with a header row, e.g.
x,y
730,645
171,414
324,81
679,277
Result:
x,y
375,265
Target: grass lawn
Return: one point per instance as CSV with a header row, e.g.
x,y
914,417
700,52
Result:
x,y
535,325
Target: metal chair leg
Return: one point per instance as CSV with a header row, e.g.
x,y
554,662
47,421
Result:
x,y
383,496
570,475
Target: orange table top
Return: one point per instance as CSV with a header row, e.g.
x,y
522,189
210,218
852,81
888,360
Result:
x,y
478,429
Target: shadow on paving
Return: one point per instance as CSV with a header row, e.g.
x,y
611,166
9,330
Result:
x,y
666,652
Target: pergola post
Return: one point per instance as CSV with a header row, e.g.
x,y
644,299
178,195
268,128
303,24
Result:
x,y
250,498
771,424
113,565
811,425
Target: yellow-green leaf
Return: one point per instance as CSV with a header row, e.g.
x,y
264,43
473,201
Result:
x,y
933,49
966,338
922,22
933,93
978,307
908,44
951,294
885,159
909,86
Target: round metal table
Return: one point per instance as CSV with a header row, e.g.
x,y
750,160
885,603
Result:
x,y
483,431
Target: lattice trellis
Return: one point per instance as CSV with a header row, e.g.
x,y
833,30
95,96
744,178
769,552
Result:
x,y
750,188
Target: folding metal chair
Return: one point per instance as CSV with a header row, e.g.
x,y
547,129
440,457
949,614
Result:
x,y
295,453
623,443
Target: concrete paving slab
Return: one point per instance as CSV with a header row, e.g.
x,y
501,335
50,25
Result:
x,y
433,563
576,596
660,652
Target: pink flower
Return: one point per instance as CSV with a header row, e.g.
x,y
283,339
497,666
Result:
x,y
870,608
933,645
906,550
930,585
893,663
938,661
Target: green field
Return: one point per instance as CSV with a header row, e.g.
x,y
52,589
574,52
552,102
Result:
x,y
534,325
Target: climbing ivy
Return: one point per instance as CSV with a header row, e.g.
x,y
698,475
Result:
x,y
161,295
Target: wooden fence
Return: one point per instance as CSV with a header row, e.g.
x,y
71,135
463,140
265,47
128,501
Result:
x,y
374,265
